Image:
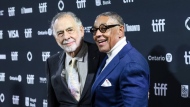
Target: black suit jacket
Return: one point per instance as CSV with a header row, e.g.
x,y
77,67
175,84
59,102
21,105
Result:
x,y
58,93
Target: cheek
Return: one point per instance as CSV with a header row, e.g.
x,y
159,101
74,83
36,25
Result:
x,y
58,40
94,37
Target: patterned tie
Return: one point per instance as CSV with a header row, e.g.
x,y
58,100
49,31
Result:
x,y
73,80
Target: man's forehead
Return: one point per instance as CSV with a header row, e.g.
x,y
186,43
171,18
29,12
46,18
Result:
x,y
103,20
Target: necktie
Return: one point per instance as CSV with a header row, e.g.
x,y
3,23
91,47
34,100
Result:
x,y
73,80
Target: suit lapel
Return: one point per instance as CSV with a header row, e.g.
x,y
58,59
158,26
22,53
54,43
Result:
x,y
107,70
61,78
93,60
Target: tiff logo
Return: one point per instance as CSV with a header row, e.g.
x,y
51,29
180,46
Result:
x,y
45,103
187,57
158,25
184,91
14,56
15,99
81,4
1,12
160,89
13,33
2,76
43,7
28,33
45,55
128,1
30,79
11,11
1,34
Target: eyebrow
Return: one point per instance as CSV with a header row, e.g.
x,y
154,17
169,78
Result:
x,y
61,31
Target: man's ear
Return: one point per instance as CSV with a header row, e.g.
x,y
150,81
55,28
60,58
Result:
x,y
82,30
121,31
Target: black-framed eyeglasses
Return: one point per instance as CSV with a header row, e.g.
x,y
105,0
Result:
x,y
102,28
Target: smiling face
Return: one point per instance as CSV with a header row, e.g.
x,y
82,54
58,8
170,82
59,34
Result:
x,y
68,34
106,41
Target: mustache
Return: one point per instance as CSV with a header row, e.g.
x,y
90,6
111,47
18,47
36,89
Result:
x,y
68,41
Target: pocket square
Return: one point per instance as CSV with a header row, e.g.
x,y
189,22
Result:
x,y
106,83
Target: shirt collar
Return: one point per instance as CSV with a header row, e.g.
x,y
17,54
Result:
x,y
118,46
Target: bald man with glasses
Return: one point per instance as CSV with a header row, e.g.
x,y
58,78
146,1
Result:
x,y
122,79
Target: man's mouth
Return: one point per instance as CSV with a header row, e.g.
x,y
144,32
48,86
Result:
x,y
101,42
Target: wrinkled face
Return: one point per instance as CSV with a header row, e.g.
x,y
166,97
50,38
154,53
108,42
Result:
x,y
106,41
68,34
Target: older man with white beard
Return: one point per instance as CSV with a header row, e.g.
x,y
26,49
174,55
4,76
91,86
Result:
x,y
70,73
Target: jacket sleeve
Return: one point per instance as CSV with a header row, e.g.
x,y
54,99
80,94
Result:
x,y
134,85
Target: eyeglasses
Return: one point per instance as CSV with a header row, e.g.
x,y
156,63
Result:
x,y
102,28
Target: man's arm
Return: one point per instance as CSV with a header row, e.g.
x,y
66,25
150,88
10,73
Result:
x,y
134,85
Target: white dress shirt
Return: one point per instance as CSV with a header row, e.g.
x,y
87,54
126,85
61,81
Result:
x,y
115,50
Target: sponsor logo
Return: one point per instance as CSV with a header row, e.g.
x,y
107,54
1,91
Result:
x,y
13,33
43,7
2,76
158,25
14,56
46,32
26,10
11,11
184,91
187,57
45,55
2,97
31,102
1,12
30,79
2,56
128,1
45,104
1,34
186,23
87,29
19,78
42,80
81,4
99,2
167,58
60,5
15,99
29,56
28,33
132,28
160,89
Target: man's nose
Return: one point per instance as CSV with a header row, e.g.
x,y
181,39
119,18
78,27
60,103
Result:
x,y
98,33
66,35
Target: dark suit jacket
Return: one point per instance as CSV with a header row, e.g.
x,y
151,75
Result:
x,y
128,73
58,92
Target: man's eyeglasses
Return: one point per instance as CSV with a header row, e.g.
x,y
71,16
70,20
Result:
x,y
102,28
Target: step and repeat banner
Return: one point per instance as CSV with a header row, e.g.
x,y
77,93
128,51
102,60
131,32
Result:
x,y
159,29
